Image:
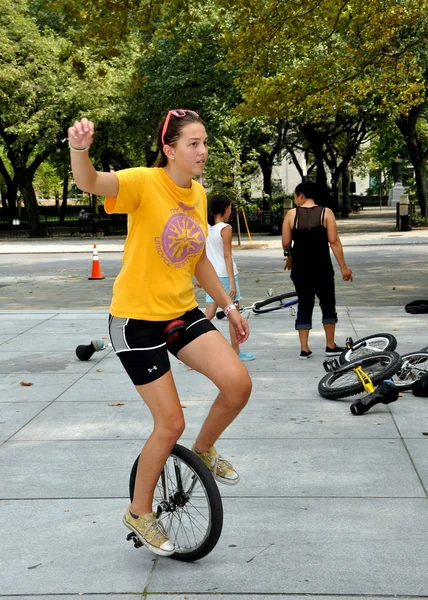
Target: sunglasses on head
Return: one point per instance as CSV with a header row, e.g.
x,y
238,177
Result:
x,y
176,112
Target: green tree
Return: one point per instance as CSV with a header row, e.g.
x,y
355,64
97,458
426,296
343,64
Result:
x,y
44,86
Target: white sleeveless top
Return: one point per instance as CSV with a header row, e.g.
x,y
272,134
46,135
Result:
x,y
215,249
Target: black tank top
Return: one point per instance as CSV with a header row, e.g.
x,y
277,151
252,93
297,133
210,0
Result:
x,y
311,250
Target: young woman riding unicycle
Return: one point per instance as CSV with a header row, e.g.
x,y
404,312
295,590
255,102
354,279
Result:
x,y
154,311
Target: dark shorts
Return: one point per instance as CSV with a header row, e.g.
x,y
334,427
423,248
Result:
x,y
142,348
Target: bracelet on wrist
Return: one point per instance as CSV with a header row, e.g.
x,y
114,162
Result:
x,y
227,309
287,252
77,149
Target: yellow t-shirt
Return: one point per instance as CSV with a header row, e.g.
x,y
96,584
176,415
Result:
x,y
167,227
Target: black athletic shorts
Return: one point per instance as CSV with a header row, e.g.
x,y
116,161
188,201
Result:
x,y
142,348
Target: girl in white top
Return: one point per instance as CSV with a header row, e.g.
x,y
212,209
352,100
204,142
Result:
x,y
219,253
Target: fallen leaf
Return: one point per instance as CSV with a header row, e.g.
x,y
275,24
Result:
x,y
183,405
99,370
26,383
257,280
393,288
425,433
116,404
66,510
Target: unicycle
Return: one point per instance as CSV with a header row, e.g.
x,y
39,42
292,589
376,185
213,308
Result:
x,y
187,503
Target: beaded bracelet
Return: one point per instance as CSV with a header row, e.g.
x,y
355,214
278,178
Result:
x,y
77,149
228,309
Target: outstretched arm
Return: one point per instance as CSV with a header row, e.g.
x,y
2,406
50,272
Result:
x,y
80,138
336,244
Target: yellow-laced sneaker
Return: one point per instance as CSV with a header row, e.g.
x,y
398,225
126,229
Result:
x,y
150,532
222,470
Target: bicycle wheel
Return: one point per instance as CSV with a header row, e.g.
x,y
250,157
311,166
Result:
x,y
414,365
190,504
264,306
345,382
368,345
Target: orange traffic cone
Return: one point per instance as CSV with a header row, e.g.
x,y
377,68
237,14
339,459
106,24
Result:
x,y
96,269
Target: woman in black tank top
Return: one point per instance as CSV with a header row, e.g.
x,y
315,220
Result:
x,y
308,233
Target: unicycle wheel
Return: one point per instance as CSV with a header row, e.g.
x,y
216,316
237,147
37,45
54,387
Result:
x,y
189,503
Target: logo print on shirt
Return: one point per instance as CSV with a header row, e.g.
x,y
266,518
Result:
x,y
182,237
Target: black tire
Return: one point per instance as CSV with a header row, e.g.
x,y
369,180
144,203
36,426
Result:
x,y
344,382
203,497
264,306
367,345
414,365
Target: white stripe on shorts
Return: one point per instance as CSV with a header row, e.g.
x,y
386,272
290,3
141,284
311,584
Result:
x,y
118,337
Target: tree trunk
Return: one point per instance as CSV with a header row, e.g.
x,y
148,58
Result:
x,y
346,199
322,184
316,144
9,195
94,202
11,198
30,202
421,185
335,195
418,156
63,208
266,167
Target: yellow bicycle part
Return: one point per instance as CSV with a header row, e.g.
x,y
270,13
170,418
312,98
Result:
x,y
365,380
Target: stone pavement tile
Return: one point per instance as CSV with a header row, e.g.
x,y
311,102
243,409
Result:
x,y
97,469
101,386
14,415
370,547
276,418
46,342
410,413
45,388
86,328
290,467
12,326
69,547
322,467
5,338
418,450
44,362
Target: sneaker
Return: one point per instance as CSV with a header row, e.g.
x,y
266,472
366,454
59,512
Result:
x,y
304,355
336,351
150,532
221,469
245,357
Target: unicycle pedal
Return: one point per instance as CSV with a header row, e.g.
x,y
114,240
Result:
x,y
172,330
132,536
349,343
331,365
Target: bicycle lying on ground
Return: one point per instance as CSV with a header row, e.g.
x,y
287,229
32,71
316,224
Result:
x,y
272,303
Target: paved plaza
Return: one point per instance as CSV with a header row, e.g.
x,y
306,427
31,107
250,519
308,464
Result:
x,y
330,505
